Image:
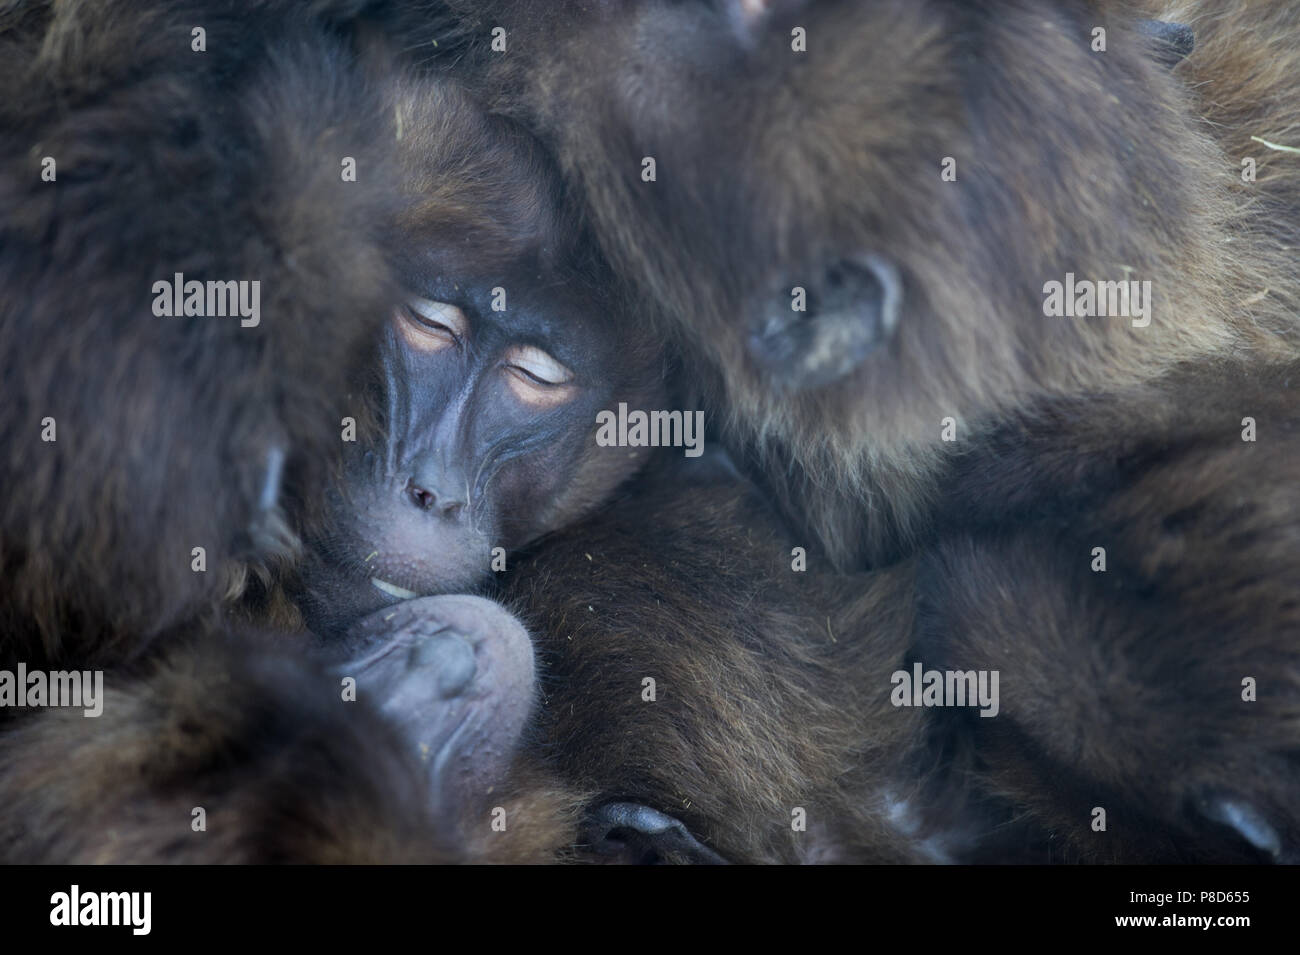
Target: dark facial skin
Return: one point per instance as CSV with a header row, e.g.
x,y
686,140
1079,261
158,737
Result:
x,y
490,444
490,439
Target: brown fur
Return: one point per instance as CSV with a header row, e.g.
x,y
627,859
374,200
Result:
x,y
1202,541
1122,689
1083,437
224,165
285,772
229,728
165,426
1068,160
772,687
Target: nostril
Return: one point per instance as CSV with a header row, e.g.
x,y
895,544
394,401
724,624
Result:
x,y
423,499
447,505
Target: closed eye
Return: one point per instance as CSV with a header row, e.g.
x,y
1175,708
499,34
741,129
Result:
x,y
536,378
431,326
537,365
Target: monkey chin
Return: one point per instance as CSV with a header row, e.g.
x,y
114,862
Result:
x,y
357,573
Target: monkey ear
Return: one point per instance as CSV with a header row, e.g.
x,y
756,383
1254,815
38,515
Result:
x,y
814,331
1173,41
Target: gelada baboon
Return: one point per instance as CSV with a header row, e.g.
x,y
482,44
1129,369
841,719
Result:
x,y
922,293
1008,290
161,448
221,739
491,375
134,435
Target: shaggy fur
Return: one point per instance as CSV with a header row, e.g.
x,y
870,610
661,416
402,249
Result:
x,y
284,772
167,426
1122,689
1067,160
222,165
771,687
229,728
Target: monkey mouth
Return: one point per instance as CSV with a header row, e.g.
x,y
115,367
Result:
x,y
401,593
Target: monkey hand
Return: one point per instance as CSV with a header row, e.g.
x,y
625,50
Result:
x,y
455,675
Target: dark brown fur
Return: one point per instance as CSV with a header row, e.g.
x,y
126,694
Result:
x,y
1123,689
285,772
771,687
221,165
165,425
1083,439
1068,160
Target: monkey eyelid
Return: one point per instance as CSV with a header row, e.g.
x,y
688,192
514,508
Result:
x,y
540,367
439,315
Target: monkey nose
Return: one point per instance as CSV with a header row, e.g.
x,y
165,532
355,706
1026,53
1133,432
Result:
x,y
426,499
452,660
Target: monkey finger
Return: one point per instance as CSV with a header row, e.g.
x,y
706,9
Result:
x,y
455,675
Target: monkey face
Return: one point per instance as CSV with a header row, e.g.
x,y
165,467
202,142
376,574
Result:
x,y
491,397
489,377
